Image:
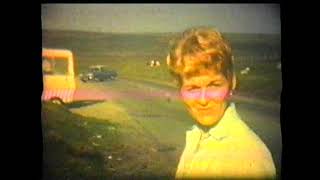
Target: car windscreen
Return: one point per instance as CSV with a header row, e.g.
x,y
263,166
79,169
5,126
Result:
x,y
96,69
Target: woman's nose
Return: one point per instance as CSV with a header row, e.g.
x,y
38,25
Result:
x,y
203,97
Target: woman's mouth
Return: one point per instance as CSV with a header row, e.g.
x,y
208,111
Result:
x,y
204,109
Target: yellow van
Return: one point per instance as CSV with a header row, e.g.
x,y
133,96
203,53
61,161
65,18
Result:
x,y
59,82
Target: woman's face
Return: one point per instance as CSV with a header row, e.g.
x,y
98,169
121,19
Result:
x,y
205,96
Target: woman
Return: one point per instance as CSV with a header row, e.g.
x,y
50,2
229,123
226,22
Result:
x,y
220,144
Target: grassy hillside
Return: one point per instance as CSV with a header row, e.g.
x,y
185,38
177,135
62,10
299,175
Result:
x,y
127,138
78,147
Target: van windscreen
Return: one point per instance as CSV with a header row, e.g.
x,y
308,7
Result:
x,y
54,66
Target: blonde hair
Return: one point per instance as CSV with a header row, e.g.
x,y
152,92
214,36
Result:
x,y
198,49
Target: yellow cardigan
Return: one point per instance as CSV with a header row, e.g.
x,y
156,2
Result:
x,y
228,150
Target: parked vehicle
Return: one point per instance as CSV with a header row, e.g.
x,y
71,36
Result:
x,y
98,73
58,75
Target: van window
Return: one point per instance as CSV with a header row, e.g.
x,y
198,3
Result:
x,y
54,66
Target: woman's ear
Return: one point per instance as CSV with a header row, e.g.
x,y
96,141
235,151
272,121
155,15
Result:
x,y
234,77
234,81
168,59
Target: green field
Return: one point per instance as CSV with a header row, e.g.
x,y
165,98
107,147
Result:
x,y
143,138
129,53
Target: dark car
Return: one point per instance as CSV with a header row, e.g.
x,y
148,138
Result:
x,y
98,73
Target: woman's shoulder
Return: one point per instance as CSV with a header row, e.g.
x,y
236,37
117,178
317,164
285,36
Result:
x,y
242,130
251,141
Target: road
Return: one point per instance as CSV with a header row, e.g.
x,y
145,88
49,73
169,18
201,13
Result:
x,y
139,91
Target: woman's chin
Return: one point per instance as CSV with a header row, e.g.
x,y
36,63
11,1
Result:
x,y
207,121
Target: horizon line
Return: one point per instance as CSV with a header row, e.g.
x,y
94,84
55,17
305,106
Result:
x,y
112,32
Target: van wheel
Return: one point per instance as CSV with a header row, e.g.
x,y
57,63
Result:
x,y
84,80
57,101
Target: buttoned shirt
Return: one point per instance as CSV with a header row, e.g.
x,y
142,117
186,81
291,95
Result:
x,y
229,149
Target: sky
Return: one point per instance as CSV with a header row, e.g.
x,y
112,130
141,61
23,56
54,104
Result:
x,y
145,18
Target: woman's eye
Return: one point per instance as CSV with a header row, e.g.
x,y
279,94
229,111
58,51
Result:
x,y
215,84
191,89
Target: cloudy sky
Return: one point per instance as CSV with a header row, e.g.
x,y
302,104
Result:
x,y
140,18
